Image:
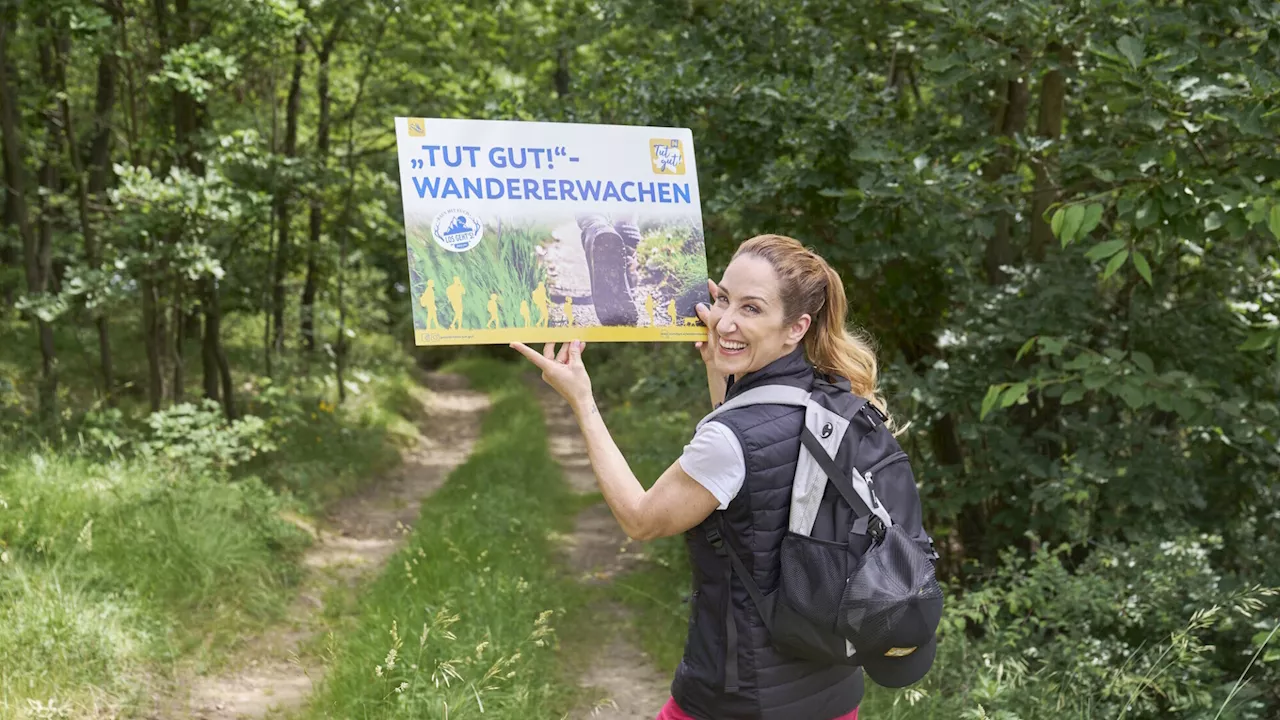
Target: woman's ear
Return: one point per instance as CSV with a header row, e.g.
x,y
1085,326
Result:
x,y
797,329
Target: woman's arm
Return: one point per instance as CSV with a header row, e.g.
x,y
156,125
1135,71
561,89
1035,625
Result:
x,y
707,348
675,503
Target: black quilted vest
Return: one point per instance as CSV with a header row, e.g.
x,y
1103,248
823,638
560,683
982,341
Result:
x,y
771,686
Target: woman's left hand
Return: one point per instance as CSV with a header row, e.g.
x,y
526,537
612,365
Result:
x,y
563,371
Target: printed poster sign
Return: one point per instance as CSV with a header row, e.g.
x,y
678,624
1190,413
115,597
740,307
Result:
x,y
537,232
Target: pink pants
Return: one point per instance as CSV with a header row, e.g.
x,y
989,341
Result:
x,y
671,711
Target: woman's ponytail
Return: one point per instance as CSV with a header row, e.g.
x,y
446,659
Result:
x,y
834,350
810,285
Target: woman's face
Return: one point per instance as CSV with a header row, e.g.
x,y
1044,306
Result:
x,y
748,318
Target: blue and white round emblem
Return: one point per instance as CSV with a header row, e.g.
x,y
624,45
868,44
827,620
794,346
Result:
x,y
457,230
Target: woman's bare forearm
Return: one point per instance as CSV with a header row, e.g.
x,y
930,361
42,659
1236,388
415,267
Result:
x,y
622,491
715,385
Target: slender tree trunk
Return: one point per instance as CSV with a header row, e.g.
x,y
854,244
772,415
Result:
x,y
1011,118
284,195
1053,92
217,372
316,213
92,183
34,253
562,72
179,339
340,349
153,337
49,180
208,340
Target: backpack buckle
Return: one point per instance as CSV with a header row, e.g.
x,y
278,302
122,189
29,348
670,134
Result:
x,y
876,529
717,542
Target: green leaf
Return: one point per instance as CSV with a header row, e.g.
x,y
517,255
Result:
x,y
1132,396
1140,264
1147,215
1116,261
1257,340
1132,48
1071,224
1016,392
1143,360
1073,395
1105,249
1273,221
1213,221
1092,216
1025,347
988,402
1056,223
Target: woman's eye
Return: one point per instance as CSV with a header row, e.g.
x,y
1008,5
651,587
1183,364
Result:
x,y
752,309
722,298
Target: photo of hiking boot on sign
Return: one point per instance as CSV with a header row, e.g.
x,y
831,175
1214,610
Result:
x,y
610,251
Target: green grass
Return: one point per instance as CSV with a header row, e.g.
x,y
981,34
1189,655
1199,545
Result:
x,y
665,249
109,566
504,263
115,566
465,616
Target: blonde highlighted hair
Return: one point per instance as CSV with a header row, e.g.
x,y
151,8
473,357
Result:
x,y
809,285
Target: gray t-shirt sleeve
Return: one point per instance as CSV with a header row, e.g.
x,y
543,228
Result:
x,y
714,459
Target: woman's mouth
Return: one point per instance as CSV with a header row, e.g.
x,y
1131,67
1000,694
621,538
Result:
x,y
731,347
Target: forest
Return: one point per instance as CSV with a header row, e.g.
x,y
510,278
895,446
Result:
x,y
1059,221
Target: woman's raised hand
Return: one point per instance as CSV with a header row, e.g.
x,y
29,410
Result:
x,y
563,371
708,347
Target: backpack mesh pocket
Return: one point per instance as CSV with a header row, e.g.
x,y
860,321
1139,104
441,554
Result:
x,y
814,574
893,580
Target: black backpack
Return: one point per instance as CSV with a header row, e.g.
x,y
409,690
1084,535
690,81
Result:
x,y
857,583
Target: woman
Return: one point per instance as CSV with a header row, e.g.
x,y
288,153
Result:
x,y
779,315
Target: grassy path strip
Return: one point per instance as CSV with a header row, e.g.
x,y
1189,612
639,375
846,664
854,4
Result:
x,y
461,623
618,677
274,671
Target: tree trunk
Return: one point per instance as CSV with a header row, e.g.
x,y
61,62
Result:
x,y
1053,90
15,175
217,373
562,72
1011,118
283,195
179,339
153,340
316,213
43,255
92,183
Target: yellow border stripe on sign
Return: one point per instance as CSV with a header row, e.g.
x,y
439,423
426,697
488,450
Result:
x,y
691,333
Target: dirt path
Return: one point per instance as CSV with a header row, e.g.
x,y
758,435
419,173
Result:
x,y
272,673
621,677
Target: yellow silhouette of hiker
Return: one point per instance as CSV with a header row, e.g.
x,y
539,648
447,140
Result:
x,y
493,312
671,311
648,307
455,293
568,310
524,312
540,302
428,301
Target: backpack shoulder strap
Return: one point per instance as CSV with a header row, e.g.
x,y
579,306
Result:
x,y
762,395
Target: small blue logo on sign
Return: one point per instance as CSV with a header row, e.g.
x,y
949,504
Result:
x,y
457,230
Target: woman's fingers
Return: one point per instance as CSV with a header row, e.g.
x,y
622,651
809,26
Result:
x,y
539,360
549,351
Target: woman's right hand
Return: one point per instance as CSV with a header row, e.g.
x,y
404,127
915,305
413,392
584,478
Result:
x,y
707,348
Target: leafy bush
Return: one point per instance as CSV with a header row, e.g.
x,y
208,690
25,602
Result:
x,y
199,437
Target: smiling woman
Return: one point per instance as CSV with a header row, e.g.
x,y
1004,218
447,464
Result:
x,y
778,320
